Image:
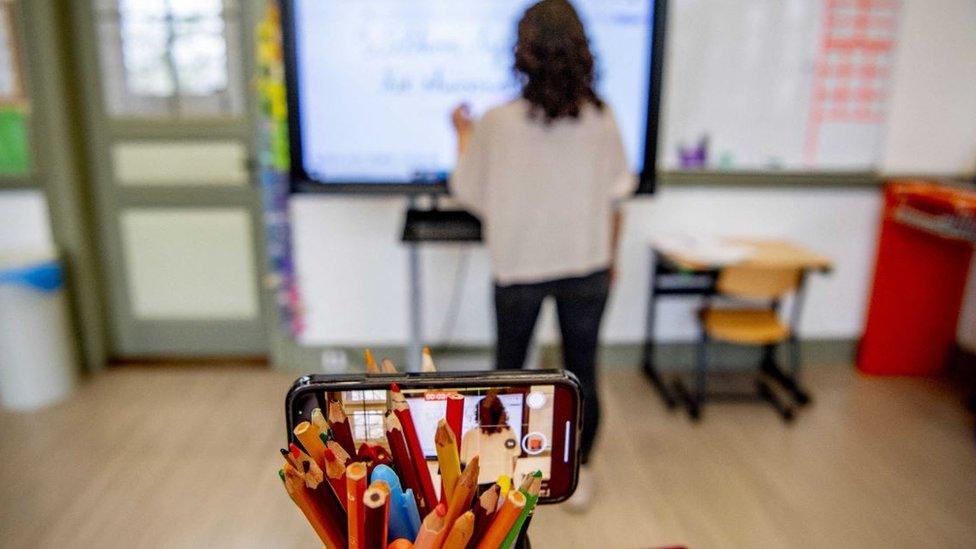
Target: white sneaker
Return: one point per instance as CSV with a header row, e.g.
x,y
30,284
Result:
x,y
580,501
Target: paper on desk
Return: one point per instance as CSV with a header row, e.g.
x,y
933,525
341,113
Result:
x,y
706,250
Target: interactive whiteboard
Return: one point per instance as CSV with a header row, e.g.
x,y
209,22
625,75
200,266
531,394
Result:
x,y
372,82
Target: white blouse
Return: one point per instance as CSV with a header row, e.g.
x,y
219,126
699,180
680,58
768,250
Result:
x,y
545,193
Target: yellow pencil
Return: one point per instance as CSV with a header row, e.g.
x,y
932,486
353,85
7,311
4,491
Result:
x,y
371,366
447,457
308,434
460,533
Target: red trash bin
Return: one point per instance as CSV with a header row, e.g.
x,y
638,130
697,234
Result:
x,y
924,251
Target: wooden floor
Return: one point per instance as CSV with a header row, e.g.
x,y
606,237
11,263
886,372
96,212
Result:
x,y
187,458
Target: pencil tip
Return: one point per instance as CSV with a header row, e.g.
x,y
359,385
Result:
x,y
394,387
441,509
329,454
306,466
295,451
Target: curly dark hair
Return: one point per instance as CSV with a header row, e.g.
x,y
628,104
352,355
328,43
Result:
x,y
492,417
554,62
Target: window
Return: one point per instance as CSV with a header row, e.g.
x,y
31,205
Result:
x,y
170,57
368,425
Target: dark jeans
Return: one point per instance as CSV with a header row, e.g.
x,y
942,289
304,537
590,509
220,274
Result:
x,y
580,303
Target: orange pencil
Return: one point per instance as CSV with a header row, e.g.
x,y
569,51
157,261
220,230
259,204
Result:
x,y
355,512
376,503
432,527
464,490
308,435
322,497
504,520
402,411
371,366
427,362
460,533
401,459
341,431
400,544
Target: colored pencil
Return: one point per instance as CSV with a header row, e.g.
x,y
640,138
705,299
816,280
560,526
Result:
x,y
322,496
388,366
505,485
455,415
319,421
447,458
402,410
465,489
460,533
401,524
340,452
341,432
484,511
503,522
427,362
434,524
290,458
371,366
376,502
401,457
308,435
355,487
335,473
400,543
531,494
330,534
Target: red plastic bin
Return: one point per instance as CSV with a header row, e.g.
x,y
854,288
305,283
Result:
x,y
924,251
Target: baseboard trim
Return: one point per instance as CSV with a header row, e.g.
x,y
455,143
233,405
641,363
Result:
x,y
670,356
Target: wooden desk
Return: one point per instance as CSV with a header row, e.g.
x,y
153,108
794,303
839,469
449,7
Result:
x,y
674,272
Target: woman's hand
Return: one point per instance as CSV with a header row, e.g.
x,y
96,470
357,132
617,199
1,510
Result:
x,y
463,124
461,118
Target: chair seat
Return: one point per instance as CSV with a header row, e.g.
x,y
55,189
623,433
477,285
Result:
x,y
744,326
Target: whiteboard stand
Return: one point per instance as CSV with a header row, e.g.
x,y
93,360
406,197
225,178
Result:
x,y
430,225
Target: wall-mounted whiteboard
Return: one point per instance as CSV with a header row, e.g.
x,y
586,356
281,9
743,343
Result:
x,y
796,85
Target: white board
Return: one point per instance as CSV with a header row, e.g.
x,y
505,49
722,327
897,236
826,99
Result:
x,y
779,84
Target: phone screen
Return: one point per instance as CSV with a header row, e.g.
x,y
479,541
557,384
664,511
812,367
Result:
x,y
515,429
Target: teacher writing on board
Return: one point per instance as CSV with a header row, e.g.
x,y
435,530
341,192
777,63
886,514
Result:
x,y
545,174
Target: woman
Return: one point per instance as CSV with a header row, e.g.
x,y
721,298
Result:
x,y
545,173
493,441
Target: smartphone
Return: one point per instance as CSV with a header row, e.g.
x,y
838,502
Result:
x,y
517,422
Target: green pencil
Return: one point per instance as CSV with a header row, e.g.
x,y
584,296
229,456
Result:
x,y
531,497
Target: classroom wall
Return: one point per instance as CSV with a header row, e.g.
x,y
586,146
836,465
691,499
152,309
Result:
x,y
353,270
932,110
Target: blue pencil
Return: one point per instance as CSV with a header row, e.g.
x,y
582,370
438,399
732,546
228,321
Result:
x,y
404,517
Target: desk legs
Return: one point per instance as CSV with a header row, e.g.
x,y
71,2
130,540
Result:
x,y
647,360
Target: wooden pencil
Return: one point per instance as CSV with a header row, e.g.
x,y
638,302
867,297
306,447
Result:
x,y
531,494
484,511
290,458
431,529
308,435
331,534
335,473
401,458
318,420
402,410
505,484
376,503
455,415
427,362
504,520
340,452
388,366
371,366
355,513
322,496
447,458
341,432
460,532
400,543
465,489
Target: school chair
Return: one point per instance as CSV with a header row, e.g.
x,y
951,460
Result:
x,y
750,317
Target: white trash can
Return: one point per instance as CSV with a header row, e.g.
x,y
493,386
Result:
x,y
37,353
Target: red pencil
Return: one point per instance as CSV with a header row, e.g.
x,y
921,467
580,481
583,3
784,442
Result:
x,y
401,459
402,410
376,502
341,431
335,473
355,487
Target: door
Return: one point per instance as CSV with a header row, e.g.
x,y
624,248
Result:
x,y
167,126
